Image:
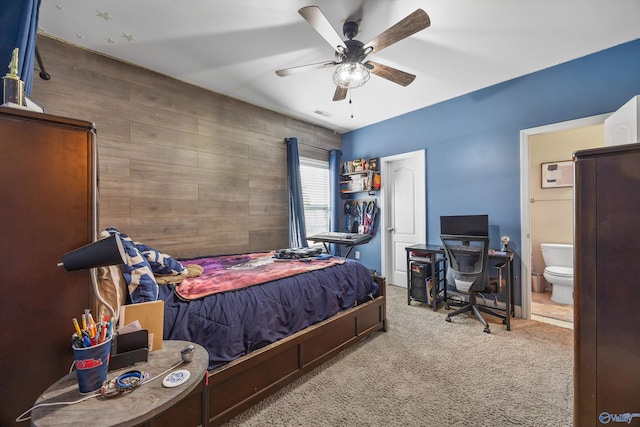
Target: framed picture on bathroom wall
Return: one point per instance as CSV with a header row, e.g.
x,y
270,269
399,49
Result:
x,y
557,174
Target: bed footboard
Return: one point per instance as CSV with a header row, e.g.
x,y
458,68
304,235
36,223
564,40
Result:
x,y
236,386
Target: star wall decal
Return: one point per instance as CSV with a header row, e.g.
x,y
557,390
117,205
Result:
x,y
110,40
129,37
60,7
104,15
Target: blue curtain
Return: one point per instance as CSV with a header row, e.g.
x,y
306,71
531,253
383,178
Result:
x,y
334,196
18,28
297,229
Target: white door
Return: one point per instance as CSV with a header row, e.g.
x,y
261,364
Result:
x,y
404,212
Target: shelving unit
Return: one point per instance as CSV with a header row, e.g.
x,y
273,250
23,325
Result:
x,y
360,181
359,176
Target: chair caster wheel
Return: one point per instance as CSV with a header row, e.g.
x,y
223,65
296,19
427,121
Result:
x,y
487,330
448,318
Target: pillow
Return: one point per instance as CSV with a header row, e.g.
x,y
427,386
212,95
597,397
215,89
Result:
x,y
136,271
111,286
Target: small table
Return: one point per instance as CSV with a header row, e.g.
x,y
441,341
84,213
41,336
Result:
x,y
347,239
129,409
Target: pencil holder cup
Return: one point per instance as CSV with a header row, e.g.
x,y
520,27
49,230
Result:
x,y
92,364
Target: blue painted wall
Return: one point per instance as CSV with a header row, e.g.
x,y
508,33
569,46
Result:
x,y
472,142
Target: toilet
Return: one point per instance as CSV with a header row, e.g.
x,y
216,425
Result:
x,y
558,258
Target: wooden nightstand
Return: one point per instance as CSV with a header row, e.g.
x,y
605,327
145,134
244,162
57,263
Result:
x,y
149,404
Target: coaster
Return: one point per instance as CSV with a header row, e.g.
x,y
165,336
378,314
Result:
x,y
176,378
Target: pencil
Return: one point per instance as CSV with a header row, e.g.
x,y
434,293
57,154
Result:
x,y
75,324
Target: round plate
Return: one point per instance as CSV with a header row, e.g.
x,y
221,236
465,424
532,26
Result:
x,y
176,378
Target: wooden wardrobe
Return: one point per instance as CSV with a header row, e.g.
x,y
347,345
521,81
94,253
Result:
x,y
607,286
48,208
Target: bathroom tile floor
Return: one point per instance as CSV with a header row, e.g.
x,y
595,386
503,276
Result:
x,y
541,305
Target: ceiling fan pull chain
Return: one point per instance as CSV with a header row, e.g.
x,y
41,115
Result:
x,y
351,103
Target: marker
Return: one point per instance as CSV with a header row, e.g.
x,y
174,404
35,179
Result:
x,y
104,333
77,342
91,324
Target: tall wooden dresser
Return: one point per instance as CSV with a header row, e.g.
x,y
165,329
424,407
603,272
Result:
x,y
607,286
48,196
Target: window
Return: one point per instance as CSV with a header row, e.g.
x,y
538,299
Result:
x,y
314,175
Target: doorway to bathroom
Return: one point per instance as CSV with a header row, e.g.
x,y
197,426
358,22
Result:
x,y
547,210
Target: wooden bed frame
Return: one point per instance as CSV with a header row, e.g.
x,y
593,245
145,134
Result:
x,y
234,387
231,389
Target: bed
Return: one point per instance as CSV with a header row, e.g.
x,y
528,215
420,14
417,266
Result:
x,y
268,333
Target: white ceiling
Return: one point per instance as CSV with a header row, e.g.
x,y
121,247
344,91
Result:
x,y
234,47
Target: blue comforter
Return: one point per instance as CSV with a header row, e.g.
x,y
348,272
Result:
x,y
232,324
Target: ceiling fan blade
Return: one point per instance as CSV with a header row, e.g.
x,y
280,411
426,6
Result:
x,y
418,20
320,23
340,94
390,73
302,68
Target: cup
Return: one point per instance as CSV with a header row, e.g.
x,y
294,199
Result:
x,y
92,364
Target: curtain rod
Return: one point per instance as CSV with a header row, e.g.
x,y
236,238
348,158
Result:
x,y
286,140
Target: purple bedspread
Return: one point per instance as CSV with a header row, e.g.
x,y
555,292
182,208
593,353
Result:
x,y
232,272
232,324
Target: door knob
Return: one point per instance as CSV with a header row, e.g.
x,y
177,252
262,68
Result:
x,y
390,229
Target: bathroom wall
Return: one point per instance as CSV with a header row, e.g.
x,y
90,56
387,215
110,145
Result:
x,y
552,208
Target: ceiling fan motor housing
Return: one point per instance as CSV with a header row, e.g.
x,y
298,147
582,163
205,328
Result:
x,y
355,51
350,29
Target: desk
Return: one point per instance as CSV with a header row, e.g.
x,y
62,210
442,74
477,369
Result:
x,y
433,255
150,401
346,239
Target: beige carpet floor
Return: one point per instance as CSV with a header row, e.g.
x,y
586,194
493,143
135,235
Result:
x,y
426,372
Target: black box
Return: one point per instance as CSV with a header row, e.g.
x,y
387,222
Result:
x,y
420,275
129,349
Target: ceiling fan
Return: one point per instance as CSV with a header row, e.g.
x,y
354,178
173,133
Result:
x,y
350,54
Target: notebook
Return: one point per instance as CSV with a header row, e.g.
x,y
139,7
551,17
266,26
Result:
x,y
151,317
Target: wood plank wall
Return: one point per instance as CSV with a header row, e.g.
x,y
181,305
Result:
x,y
185,170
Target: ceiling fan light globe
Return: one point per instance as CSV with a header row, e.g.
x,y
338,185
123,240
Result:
x,y
350,75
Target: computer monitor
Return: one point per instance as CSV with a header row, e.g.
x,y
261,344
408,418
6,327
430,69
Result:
x,y
465,225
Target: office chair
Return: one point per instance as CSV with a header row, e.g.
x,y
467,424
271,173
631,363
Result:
x,y
467,260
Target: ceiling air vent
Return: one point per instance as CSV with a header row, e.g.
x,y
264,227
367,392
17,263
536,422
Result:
x,y
322,113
